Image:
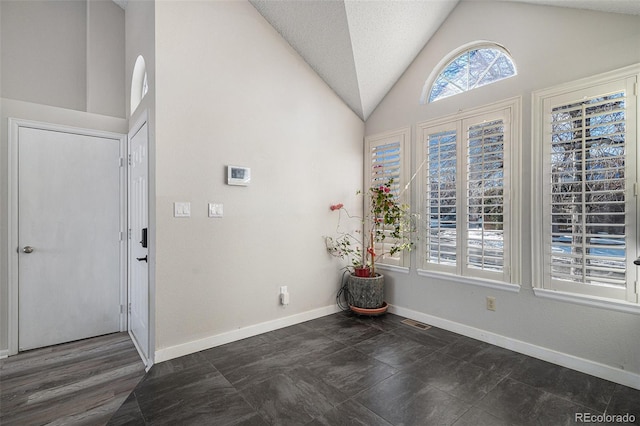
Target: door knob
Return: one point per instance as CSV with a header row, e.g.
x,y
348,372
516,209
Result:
x,y
27,249
637,261
140,259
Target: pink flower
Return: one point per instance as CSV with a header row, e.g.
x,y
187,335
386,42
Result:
x,y
371,252
387,189
336,206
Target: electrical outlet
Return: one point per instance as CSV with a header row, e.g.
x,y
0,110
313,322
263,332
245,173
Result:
x,y
284,295
491,303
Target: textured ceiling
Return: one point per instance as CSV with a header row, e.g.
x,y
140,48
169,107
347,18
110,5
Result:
x,y
361,48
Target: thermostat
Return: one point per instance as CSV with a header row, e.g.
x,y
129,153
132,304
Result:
x,y
237,175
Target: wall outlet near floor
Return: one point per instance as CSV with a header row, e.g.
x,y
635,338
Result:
x,y
491,303
284,295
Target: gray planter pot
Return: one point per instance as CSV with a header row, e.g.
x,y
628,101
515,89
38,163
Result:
x,y
366,292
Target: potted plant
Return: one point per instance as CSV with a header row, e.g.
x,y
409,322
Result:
x,y
384,230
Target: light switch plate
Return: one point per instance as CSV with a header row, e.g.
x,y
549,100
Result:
x,y
216,210
182,209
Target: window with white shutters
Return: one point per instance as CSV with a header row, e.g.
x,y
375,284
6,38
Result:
x,y
440,196
388,156
587,192
466,179
485,198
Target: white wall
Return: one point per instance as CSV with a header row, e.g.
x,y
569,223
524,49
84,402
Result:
x,y
105,58
67,53
550,46
230,90
44,48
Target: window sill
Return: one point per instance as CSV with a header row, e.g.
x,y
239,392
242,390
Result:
x,y
498,285
392,268
597,302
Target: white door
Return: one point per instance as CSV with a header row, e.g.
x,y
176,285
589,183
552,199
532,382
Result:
x,y
69,236
138,242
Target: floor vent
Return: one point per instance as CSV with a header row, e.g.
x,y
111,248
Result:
x,y
416,324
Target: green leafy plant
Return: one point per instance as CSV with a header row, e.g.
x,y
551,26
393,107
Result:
x,y
386,220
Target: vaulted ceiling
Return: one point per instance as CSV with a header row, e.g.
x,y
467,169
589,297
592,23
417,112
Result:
x,y
361,48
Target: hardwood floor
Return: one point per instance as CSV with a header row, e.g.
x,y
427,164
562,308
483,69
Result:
x,y
80,383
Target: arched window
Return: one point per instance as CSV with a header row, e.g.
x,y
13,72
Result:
x,y
469,67
139,83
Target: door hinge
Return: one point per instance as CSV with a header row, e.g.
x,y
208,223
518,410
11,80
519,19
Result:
x,y
129,307
129,159
129,233
635,189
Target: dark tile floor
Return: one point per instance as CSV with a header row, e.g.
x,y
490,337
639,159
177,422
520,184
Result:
x,y
349,370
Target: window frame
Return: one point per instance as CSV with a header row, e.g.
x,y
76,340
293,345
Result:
x,y
455,54
601,84
511,276
403,137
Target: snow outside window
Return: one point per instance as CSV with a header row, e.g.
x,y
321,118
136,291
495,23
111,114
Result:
x,y
466,201
587,189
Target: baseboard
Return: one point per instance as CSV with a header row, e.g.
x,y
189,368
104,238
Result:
x,y
586,366
187,348
4,353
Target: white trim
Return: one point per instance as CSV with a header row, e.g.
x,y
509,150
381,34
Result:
x,y
4,353
392,268
124,225
148,362
165,354
403,137
606,77
593,301
14,125
586,366
538,245
458,279
12,241
141,121
513,253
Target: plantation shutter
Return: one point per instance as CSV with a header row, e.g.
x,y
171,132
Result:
x,y
385,164
440,196
465,196
589,202
388,154
486,195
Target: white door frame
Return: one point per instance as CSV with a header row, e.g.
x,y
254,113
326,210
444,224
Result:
x,y
14,127
145,353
